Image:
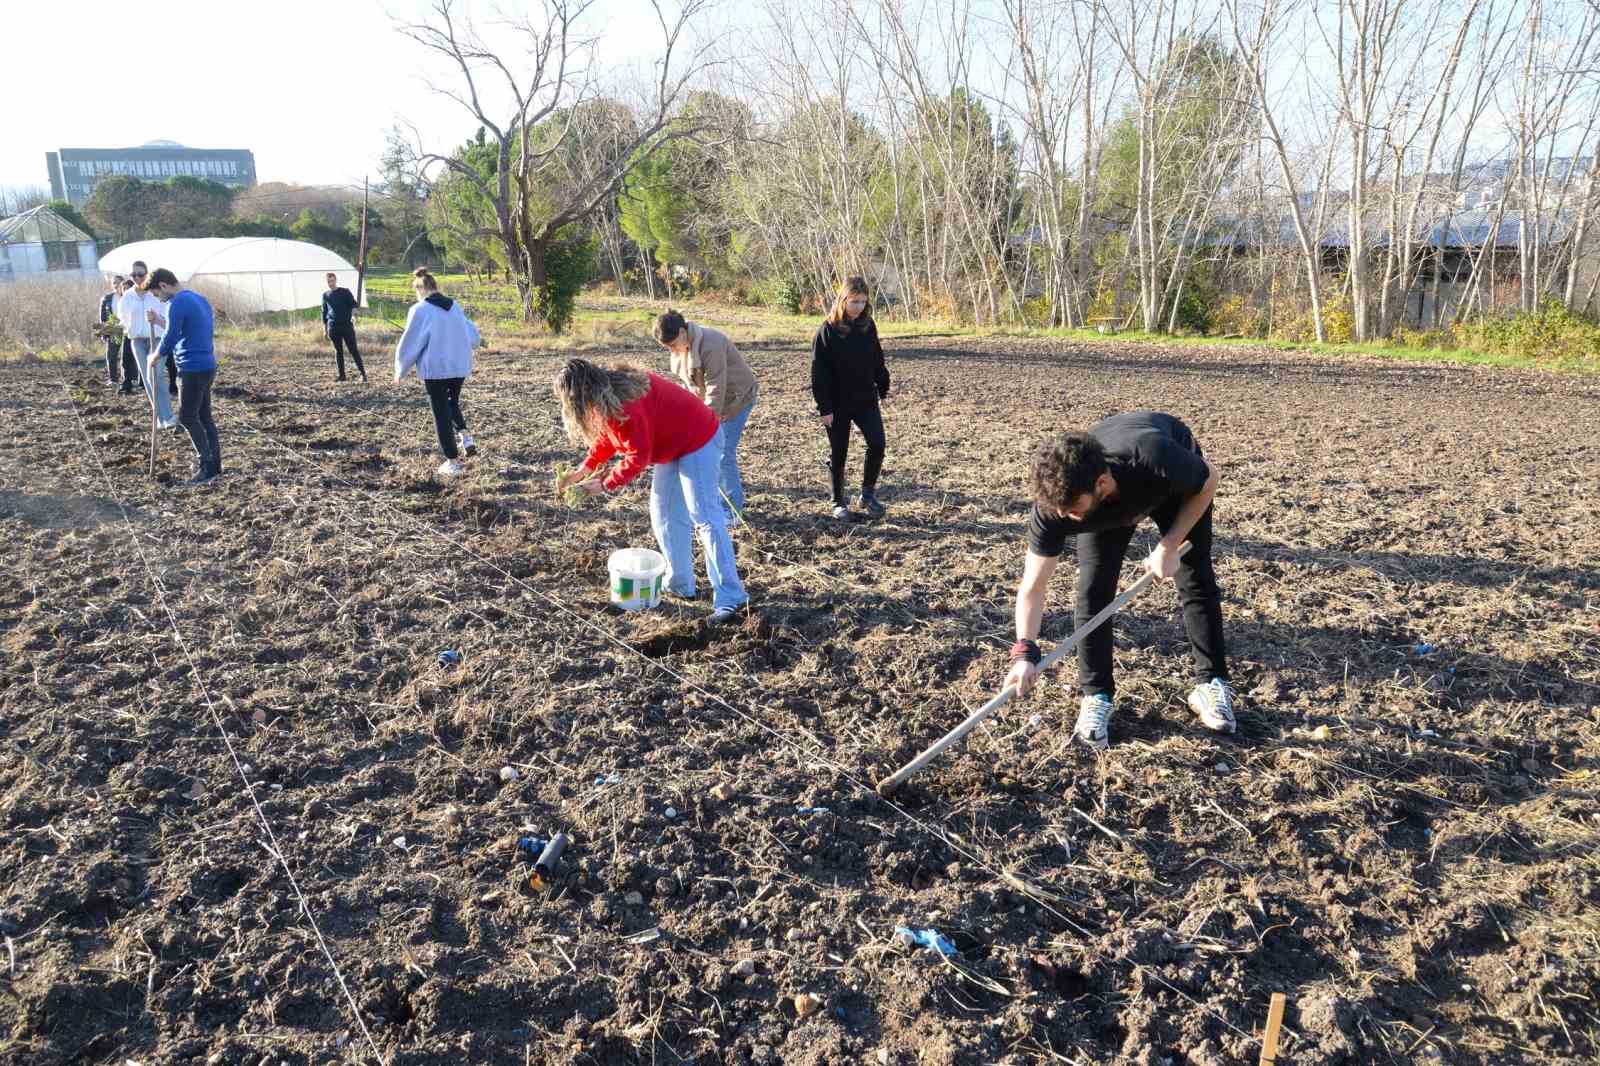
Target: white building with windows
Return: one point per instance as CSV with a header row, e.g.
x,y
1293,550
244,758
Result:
x,y
74,172
41,244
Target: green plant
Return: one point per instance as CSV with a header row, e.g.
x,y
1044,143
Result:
x,y
786,294
572,496
1194,306
568,264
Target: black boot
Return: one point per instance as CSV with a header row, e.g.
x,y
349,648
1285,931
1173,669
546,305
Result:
x,y
870,504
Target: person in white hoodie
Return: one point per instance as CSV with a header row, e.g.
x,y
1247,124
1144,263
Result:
x,y
438,342
133,312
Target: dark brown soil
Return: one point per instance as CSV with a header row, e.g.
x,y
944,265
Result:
x,y
1402,840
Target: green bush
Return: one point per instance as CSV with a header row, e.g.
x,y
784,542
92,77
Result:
x,y
786,294
1550,333
1194,307
569,262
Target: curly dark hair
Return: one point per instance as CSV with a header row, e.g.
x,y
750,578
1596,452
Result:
x,y
668,326
1065,468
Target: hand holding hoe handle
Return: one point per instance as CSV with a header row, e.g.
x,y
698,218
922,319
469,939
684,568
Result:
x,y
887,786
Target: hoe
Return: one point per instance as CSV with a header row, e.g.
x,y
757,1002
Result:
x,y
887,786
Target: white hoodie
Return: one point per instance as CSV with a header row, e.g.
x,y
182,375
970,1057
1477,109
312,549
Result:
x,y
438,341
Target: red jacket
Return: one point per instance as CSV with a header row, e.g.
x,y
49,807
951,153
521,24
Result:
x,y
666,423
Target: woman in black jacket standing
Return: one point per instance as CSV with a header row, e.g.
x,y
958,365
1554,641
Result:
x,y
848,379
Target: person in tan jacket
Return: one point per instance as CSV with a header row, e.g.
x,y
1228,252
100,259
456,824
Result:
x,y
711,366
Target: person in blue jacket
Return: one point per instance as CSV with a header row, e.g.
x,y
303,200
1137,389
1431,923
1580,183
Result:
x,y
189,326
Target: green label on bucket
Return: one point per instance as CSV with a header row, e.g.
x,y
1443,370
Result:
x,y
624,586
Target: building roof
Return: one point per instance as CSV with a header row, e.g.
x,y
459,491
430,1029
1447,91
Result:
x,y
1458,229
39,225
1470,229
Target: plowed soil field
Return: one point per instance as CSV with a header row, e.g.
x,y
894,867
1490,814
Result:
x,y
1401,838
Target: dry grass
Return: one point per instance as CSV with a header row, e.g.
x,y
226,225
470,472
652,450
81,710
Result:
x,y
49,317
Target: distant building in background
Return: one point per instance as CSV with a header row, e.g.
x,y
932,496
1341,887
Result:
x,y
40,242
74,172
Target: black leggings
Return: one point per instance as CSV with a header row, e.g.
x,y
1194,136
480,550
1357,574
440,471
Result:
x,y
342,335
194,415
1100,564
444,395
871,423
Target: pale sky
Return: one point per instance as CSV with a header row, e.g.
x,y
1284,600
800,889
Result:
x,y
310,86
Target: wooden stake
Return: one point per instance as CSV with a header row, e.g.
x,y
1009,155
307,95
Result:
x,y
361,248
1269,1040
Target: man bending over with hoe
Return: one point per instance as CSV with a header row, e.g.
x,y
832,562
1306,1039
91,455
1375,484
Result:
x,y
1097,487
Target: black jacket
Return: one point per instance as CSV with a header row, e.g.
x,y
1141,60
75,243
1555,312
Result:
x,y
337,307
848,374
106,302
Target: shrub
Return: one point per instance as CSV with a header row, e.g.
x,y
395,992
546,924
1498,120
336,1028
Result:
x,y
1194,306
1239,316
785,293
1549,333
569,261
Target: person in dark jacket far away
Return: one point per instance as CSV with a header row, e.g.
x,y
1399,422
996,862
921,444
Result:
x,y
339,323
848,381
1096,487
108,309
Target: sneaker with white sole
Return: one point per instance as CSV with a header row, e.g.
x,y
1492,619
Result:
x,y
452,468
1213,703
841,512
1094,721
468,445
723,616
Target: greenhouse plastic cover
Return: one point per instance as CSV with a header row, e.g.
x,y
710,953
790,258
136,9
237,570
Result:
x,y
251,273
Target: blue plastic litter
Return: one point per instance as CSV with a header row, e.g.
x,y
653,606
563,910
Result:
x,y
1424,649
449,657
811,810
927,938
531,847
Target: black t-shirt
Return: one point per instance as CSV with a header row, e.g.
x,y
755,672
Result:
x,y
1155,461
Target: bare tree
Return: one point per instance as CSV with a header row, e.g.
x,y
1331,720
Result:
x,y
541,77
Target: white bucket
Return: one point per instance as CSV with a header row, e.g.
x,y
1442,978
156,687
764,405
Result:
x,y
636,577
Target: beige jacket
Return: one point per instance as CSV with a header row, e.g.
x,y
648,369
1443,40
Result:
x,y
716,372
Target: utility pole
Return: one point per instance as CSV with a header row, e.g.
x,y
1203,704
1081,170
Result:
x,y
361,248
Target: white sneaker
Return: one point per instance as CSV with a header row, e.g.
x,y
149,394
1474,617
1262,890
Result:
x,y
452,468
841,512
1094,721
1213,702
467,444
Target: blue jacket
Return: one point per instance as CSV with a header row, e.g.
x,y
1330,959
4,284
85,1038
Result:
x,y
189,332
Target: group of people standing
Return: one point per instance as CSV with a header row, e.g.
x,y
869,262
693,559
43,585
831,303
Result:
x,y
165,342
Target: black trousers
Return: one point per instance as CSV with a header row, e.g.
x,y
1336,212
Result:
x,y
194,415
871,424
112,361
444,396
1100,557
130,367
342,335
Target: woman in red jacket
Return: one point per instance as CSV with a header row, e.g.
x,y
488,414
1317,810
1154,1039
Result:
x,y
647,420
